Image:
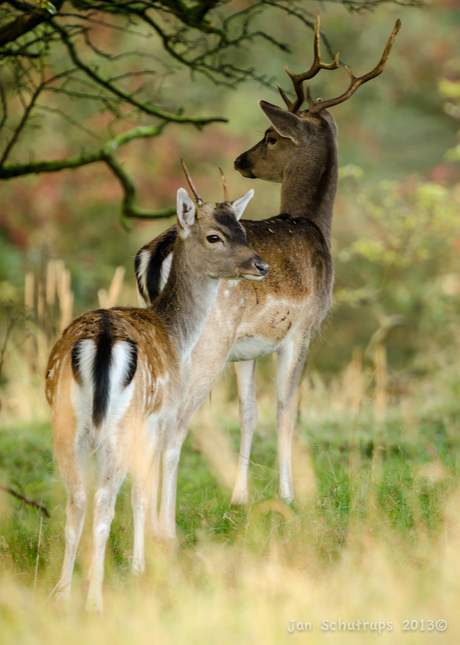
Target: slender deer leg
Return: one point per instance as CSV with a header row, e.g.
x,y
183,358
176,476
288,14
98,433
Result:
x,y
153,522
172,445
171,455
245,377
196,391
112,476
140,495
76,508
145,487
291,359
139,503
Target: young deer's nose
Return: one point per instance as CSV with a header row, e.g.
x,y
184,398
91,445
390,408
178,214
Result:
x,y
261,266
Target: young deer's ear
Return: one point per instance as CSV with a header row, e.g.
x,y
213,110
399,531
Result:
x,y
285,123
240,204
185,213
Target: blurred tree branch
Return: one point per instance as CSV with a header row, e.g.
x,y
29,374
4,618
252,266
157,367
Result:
x,y
30,502
54,53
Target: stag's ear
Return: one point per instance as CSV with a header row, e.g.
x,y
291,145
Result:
x,y
186,211
240,204
285,123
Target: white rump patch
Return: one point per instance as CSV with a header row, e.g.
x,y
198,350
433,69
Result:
x,y
82,395
119,396
86,354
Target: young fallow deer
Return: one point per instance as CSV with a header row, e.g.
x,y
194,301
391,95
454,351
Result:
x,y
114,377
250,320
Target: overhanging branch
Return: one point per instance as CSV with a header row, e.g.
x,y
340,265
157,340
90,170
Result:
x,y
107,154
128,209
129,98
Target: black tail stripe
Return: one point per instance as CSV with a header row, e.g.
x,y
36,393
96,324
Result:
x,y
101,370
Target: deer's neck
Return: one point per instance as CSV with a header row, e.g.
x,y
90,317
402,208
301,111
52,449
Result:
x,y
309,186
186,300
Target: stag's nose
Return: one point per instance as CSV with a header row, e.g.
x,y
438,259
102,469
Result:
x,y
243,165
261,266
237,162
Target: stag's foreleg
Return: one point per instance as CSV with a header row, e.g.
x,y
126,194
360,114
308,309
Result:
x,y
291,359
245,378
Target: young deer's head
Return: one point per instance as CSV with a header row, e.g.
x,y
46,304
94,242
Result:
x,y
215,240
302,136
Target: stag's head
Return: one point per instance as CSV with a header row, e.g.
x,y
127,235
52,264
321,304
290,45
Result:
x,y
216,242
294,130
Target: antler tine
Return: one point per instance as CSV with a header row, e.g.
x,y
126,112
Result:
x,y
355,82
298,79
190,182
285,98
224,184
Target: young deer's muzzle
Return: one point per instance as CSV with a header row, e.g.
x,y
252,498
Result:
x,y
254,269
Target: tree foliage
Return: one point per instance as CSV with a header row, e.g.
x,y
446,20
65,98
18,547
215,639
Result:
x,y
57,57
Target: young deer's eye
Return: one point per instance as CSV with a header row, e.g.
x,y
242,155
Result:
x,y
271,140
213,239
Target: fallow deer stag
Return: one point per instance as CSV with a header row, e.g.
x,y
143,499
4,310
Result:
x,y
247,320
114,377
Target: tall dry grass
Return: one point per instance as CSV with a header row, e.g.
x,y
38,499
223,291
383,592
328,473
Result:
x,y
278,563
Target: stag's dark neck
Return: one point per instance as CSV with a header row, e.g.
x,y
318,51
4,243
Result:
x,y
184,304
310,185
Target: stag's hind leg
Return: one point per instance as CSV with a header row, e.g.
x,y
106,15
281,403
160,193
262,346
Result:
x,y
291,359
245,377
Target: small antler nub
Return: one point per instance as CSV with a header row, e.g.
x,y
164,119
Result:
x,y
224,184
190,182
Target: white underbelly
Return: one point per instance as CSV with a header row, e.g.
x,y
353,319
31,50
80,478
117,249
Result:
x,y
251,347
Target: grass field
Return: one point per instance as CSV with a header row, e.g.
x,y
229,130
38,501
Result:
x,y
374,535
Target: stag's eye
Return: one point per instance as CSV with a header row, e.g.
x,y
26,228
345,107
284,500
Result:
x,y
212,239
271,140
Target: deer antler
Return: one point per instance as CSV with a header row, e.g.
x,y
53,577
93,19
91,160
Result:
x,y
298,79
224,184
190,182
317,106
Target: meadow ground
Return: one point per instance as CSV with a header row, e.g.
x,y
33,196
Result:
x,y
374,535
